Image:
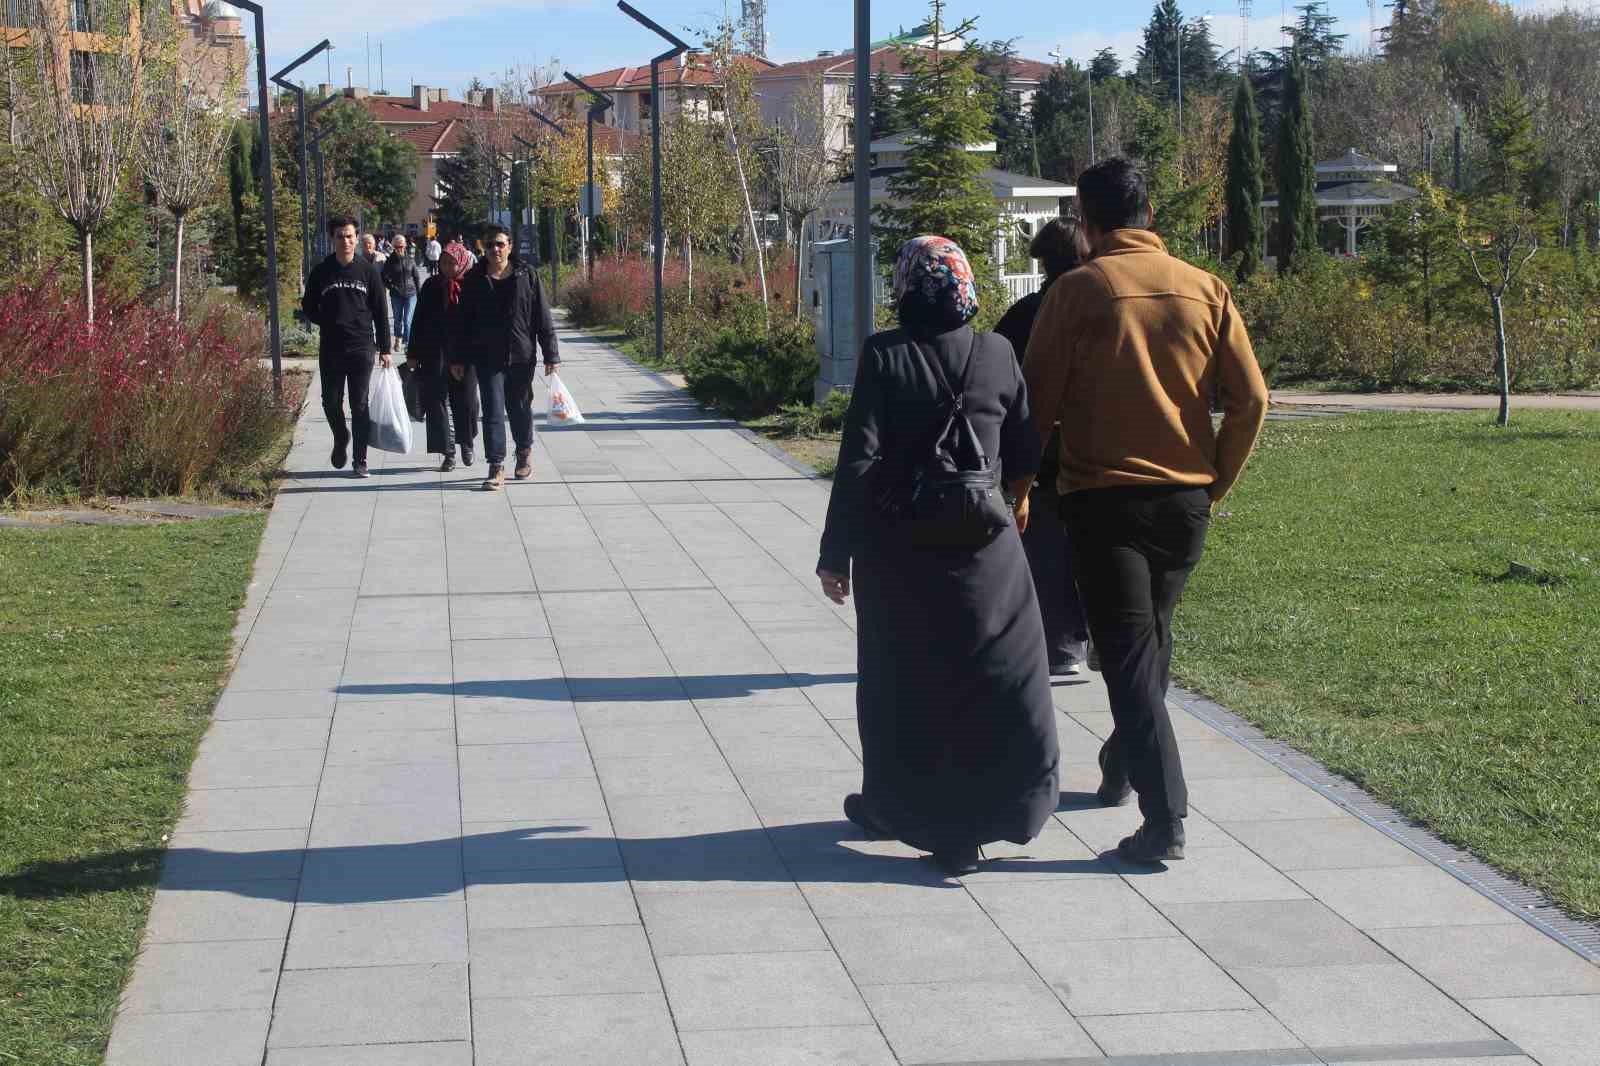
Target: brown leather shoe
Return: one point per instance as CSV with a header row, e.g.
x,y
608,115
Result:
x,y
524,468
496,478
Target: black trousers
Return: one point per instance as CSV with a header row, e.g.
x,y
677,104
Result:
x,y
449,407
1134,549
1054,579
352,374
507,394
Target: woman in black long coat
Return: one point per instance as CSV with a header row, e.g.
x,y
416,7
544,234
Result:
x,y
958,735
449,403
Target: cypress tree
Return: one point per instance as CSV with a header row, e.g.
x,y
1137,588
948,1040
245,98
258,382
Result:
x,y
1245,181
1297,170
242,184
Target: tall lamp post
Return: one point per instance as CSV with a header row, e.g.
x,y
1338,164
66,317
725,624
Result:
x,y
280,79
314,246
658,237
863,173
591,199
263,102
555,235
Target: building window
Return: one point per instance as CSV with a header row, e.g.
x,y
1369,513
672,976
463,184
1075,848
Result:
x,y
11,13
644,107
83,89
82,16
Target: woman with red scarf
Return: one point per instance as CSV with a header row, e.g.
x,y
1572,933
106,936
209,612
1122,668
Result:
x,y
435,334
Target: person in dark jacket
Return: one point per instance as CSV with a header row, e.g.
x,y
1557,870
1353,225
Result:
x,y
449,393
505,320
345,299
403,280
1059,246
958,735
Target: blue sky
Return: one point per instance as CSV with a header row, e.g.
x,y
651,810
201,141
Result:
x,y
447,44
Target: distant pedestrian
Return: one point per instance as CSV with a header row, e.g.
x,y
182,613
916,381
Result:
x,y
431,253
958,735
449,392
370,250
345,299
505,321
401,278
1127,355
1059,247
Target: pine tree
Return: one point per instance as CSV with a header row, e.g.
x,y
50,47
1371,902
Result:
x,y
1297,171
463,181
1513,153
242,162
885,121
1245,181
941,188
1010,128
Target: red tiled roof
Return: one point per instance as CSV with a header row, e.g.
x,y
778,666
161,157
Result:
x,y
390,109
888,60
697,71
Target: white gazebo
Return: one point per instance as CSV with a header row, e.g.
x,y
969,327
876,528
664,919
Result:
x,y
1025,204
1352,190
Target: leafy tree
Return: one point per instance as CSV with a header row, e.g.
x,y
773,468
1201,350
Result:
x,y
1060,116
1513,154
996,62
885,117
1158,56
1105,65
1500,236
1312,40
364,165
252,252
462,204
1413,247
1296,171
1245,181
940,190
242,182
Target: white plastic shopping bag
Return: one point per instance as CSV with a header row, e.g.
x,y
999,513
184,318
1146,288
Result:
x,y
386,404
560,407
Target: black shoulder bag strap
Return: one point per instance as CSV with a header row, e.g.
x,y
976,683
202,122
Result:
x,y
958,400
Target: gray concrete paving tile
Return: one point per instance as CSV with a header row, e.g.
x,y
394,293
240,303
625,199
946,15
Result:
x,y
389,823
264,734
516,722
269,667
786,988
1555,1030
499,801
371,1005
211,976
844,1045
1494,961
561,961
1223,758
189,1038
353,748
1334,1006
703,862
1274,933
249,855
1051,854
548,494
1258,799
454,1053
766,920
668,738
523,899
777,754
221,810
377,934
641,817
575,1031
389,783
610,714
1321,844
970,1021
222,910
357,720
1190,1031
1145,975
1497,1060
295,768
551,760
400,670
933,895
285,703
658,775
492,659
570,843
925,947
382,872
1401,897
1085,700
1100,828
497,617
1069,908
665,492
1209,875
808,795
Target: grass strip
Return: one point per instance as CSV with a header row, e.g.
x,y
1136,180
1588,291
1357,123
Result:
x,y
1414,600
113,646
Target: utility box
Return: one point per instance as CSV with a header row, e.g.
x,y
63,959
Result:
x,y
833,309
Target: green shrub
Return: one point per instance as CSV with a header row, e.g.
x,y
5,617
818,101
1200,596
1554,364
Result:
x,y
747,371
813,419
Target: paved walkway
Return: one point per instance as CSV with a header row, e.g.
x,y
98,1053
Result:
x,y
552,776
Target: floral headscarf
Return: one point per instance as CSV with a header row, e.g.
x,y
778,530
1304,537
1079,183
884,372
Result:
x,y
933,285
457,253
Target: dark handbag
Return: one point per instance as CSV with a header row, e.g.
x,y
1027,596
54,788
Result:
x,y
411,386
945,492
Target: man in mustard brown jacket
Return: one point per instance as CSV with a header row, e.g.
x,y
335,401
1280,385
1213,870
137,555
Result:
x,y
1128,353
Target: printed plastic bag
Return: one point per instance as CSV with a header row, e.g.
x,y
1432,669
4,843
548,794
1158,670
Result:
x,y
561,408
386,404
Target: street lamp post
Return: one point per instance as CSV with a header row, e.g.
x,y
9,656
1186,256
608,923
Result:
x,y
591,205
658,237
314,241
322,190
863,175
300,111
555,233
275,337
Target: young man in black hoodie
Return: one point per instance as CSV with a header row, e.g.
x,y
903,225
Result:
x,y
505,318
346,299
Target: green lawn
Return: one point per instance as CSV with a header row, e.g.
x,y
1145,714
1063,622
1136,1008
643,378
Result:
x,y
1359,600
113,642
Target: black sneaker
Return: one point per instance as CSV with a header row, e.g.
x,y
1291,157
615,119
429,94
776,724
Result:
x,y
1114,789
1159,842
466,455
360,470
855,809
958,861
448,465
340,456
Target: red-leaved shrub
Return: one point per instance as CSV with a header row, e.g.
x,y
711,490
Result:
x,y
136,404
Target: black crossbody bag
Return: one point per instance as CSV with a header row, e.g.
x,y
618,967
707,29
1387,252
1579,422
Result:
x,y
945,492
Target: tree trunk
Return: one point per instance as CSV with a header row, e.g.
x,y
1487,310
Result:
x,y
177,266
1503,363
688,255
750,213
86,254
799,266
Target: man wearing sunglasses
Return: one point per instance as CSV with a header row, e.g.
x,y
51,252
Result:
x,y
504,318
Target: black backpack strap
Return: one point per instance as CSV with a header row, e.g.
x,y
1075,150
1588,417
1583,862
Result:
x,y
958,398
